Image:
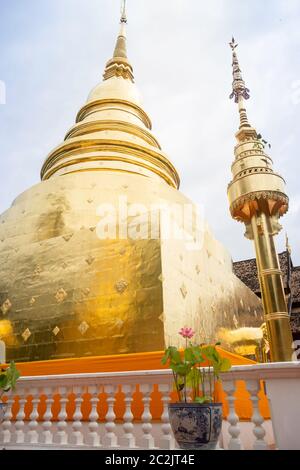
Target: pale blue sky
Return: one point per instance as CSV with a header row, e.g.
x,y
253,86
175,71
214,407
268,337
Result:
x,y
52,52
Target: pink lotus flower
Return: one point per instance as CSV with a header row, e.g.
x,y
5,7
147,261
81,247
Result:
x,y
187,332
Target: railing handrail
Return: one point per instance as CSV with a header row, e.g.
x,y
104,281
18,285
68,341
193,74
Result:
x,y
275,370
243,372
96,378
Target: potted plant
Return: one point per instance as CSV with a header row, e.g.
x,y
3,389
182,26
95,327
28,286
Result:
x,y
8,379
196,418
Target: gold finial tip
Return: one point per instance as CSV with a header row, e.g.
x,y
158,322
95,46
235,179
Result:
x,y
233,44
239,89
123,12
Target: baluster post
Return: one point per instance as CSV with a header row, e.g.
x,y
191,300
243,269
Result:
x,y
77,436
234,430
147,440
167,440
20,435
253,387
128,439
33,436
6,426
61,436
47,434
110,439
93,438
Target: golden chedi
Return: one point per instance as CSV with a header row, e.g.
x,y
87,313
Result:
x,y
89,264
258,199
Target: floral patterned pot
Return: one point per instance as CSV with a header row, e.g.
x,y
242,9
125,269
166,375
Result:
x,y
195,425
3,407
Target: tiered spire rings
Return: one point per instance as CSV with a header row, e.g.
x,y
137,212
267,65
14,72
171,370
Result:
x,y
257,198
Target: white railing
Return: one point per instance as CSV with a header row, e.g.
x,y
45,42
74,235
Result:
x,y
36,429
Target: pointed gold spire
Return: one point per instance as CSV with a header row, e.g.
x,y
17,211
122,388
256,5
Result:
x,y
119,65
257,198
120,49
239,90
112,131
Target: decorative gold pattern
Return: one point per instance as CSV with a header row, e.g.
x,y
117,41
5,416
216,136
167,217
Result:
x,y
183,291
237,206
121,286
119,323
162,317
37,270
26,335
6,306
90,260
271,271
61,295
277,316
55,331
118,70
68,237
83,328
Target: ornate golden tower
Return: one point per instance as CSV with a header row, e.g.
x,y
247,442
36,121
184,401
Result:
x,y
67,291
257,198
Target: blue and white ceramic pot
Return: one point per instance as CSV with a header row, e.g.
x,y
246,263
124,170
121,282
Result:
x,y
2,410
195,425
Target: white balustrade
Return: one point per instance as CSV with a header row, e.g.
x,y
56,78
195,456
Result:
x,y
69,432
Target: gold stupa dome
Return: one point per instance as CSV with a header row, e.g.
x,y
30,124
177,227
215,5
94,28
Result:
x,y
112,131
116,88
68,291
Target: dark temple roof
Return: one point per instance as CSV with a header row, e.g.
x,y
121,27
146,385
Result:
x,y
246,271
296,284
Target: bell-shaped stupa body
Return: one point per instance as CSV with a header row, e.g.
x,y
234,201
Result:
x,y
105,255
